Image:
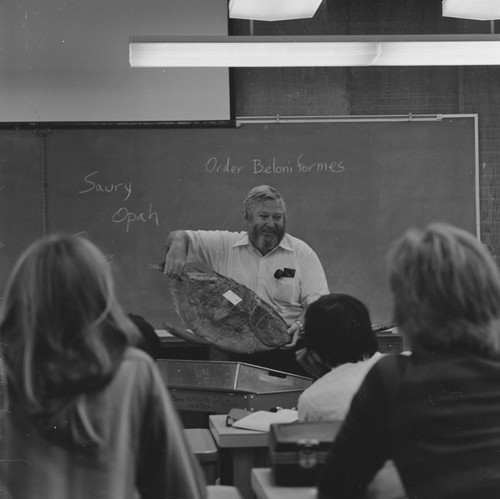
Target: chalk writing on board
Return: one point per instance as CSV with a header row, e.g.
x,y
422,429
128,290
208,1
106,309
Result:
x,y
213,166
332,166
124,215
258,166
125,187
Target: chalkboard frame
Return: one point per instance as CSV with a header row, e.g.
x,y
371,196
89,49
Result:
x,y
43,196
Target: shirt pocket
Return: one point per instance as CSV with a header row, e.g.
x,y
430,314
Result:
x,y
284,290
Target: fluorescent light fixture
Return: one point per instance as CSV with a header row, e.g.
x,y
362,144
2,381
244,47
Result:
x,y
250,51
308,51
272,10
479,10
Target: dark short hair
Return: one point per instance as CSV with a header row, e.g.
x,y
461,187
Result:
x,y
446,289
338,328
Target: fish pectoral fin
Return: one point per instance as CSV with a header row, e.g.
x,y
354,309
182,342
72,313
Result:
x,y
185,334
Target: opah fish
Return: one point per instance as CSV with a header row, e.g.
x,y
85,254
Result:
x,y
224,313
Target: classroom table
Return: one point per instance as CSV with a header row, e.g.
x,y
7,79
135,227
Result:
x,y
239,451
222,492
264,488
202,445
385,485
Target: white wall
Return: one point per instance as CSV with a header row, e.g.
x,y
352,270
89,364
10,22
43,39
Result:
x,y
67,60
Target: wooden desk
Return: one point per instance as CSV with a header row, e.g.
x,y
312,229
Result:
x,y
385,485
202,445
239,451
264,488
222,492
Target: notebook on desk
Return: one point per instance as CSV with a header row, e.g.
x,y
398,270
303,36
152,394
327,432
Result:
x,y
262,420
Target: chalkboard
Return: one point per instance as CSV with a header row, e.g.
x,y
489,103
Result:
x,y
351,186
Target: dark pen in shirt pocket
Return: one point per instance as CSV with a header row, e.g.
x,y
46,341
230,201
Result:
x,y
285,272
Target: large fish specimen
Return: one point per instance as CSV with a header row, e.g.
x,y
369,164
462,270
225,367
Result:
x,y
221,312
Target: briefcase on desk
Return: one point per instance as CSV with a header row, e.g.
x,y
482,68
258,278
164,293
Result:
x,y
298,450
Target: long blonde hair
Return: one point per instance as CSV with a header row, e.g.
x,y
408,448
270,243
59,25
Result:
x,y
63,332
446,289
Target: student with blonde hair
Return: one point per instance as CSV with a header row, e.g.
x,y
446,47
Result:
x,y
83,414
435,413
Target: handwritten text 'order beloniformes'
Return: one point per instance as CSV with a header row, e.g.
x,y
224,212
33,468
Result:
x,y
272,166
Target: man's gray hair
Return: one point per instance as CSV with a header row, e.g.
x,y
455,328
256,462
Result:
x,y
259,194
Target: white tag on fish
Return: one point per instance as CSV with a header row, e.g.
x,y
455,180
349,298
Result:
x,y
232,297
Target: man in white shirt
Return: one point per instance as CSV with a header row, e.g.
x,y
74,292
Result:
x,y
282,270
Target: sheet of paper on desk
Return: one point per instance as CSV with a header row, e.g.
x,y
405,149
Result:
x,y
262,420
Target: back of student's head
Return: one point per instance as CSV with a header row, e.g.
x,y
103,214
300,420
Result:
x,y
338,328
446,289
63,331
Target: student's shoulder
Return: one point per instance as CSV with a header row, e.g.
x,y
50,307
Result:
x,y
388,370
392,361
138,357
140,367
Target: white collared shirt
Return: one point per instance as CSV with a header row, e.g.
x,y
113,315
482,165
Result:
x,y
231,254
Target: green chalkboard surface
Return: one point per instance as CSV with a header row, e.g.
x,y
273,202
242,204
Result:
x,y
351,186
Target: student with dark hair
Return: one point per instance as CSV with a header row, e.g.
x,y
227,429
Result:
x,y
436,412
340,348
82,414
